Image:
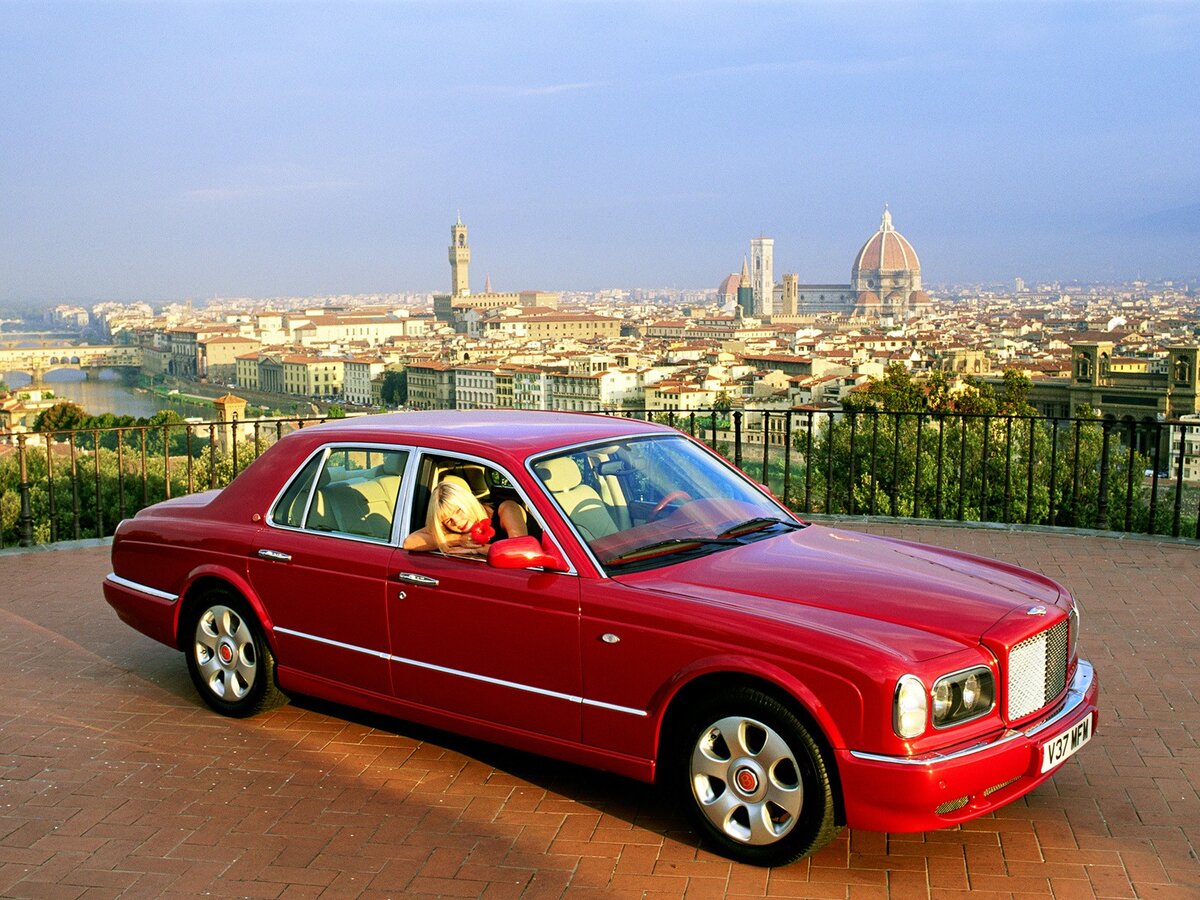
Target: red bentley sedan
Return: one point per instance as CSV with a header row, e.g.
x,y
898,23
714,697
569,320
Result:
x,y
613,593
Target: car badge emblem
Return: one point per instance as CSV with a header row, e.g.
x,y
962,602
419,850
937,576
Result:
x,y
1036,611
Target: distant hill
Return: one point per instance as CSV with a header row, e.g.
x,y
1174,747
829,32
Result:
x,y
1165,223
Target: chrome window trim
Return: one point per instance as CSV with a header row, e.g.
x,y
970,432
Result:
x,y
324,450
473,676
141,588
1082,682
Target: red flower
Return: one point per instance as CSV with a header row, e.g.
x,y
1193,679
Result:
x,y
482,532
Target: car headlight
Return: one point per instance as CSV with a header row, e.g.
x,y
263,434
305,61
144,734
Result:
x,y
910,709
962,696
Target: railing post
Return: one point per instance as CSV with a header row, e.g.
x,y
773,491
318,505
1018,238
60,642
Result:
x,y
74,490
737,438
1008,469
25,527
120,473
1053,512
850,474
1129,477
766,433
167,460
1029,473
99,491
828,464
983,469
895,491
50,486
808,463
941,427
916,504
1075,475
191,489
962,466
787,457
1152,527
212,456
874,456
1179,480
1102,500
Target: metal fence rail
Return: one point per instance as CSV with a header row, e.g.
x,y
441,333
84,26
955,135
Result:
x,y
68,485
1067,472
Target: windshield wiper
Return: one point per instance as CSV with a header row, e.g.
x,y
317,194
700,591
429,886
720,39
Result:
x,y
760,523
665,548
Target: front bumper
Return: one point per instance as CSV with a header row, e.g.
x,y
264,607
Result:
x,y
922,793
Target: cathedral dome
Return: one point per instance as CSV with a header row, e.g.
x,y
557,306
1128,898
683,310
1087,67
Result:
x,y
919,298
887,250
867,298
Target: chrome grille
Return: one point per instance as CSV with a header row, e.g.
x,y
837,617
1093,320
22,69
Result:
x,y
1037,671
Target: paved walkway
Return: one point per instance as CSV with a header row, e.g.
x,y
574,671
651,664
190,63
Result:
x,y
116,781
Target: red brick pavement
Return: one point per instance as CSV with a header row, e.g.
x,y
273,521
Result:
x,y
116,781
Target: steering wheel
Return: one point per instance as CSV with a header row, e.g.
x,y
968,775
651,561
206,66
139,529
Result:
x,y
667,501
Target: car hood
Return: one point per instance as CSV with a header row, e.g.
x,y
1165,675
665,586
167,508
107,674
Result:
x,y
941,599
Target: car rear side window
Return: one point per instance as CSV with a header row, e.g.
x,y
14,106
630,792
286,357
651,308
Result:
x,y
289,510
357,491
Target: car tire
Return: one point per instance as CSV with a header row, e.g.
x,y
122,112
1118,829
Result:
x,y
753,778
230,662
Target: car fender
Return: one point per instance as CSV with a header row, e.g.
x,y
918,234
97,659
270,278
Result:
x,y
237,582
727,665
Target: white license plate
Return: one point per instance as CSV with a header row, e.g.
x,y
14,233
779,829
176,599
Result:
x,y
1067,744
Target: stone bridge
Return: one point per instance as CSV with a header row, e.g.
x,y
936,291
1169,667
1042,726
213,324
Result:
x,y
37,362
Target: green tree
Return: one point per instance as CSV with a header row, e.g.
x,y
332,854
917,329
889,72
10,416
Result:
x,y
336,411
62,416
394,390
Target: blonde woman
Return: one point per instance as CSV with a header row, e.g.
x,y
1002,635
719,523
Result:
x,y
460,525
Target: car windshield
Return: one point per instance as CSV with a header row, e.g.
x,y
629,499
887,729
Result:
x,y
650,501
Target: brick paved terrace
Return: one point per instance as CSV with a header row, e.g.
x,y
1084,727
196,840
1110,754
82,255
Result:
x,y
115,780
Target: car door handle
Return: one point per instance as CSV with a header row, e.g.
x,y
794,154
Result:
x,y
277,555
422,580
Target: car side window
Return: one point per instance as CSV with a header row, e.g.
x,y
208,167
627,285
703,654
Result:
x,y
289,509
356,492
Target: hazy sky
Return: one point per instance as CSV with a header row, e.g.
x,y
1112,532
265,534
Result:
x,y
168,150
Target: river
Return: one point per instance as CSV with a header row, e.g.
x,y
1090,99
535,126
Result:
x,y
107,394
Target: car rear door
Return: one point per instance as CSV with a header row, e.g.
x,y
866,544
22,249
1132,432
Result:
x,y
323,577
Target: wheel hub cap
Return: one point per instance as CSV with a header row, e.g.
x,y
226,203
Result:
x,y
746,780
226,653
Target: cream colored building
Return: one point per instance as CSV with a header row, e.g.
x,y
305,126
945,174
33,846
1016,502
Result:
x,y
313,376
359,374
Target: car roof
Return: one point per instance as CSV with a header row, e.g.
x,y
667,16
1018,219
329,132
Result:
x,y
518,432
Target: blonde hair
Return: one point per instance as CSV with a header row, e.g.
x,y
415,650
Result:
x,y
451,494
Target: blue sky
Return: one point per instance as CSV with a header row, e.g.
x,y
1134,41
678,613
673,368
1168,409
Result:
x,y
172,150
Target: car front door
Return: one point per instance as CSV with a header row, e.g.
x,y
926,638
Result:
x,y
499,646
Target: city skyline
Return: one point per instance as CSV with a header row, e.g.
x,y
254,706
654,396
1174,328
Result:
x,y
267,150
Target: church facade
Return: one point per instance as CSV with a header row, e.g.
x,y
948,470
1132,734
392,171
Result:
x,y
885,283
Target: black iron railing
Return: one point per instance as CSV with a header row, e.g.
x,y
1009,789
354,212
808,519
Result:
x,y
1028,470
68,485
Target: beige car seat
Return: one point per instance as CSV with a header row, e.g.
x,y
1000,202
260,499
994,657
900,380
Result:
x,y
580,502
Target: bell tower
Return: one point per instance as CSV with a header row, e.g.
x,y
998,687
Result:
x,y
460,260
